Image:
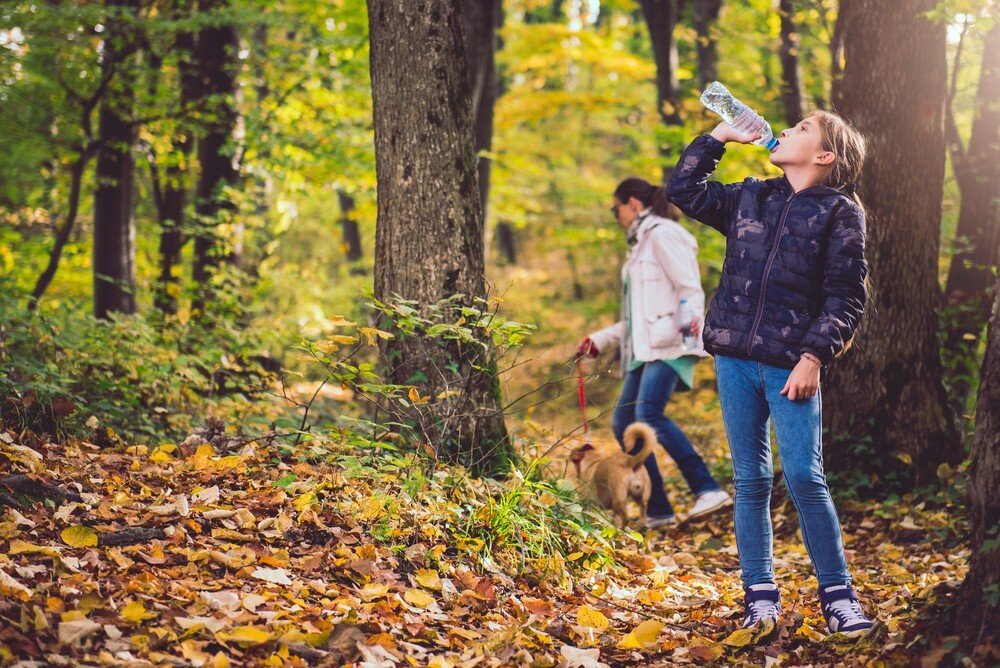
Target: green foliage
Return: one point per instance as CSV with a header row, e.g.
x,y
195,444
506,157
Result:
x,y
142,377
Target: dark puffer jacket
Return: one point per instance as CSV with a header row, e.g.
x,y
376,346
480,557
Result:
x,y
793,280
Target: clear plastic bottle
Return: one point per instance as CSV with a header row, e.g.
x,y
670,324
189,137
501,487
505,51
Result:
x,y
684,317
743,119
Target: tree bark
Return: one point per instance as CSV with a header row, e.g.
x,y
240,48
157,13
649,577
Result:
x,y
706,12
506,242
114,226
837,56
886,395
661,18
980,617
977,171
429,233
216,58
175,187
483,19
791,71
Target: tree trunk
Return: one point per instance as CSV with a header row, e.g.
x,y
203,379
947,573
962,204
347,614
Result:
x,y
114,226
661,17
978,609
217,66
349,227
706,12
429,233
483,19
886,395
977,171
506,242
791,72
175,187
837,56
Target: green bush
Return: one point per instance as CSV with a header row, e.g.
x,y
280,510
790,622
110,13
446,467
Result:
x,y
143,377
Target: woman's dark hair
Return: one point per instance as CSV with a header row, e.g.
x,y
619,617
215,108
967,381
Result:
x,y
649,195
633,186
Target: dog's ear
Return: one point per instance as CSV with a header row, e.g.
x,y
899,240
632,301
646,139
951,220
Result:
x,y
577,456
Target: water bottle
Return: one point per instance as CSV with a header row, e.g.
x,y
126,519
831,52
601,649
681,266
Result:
x,y
743,119
684,316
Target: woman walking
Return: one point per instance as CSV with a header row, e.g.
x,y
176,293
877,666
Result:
x,y
660,271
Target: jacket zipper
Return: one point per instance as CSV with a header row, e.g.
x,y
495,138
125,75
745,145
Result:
x,y
767,271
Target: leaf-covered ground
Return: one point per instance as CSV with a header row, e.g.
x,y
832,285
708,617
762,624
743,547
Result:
x,y
332,553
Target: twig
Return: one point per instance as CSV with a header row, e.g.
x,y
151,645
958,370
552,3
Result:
x,y
36,489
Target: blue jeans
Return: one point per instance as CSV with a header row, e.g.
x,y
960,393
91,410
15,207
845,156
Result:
x,y
644,396
750,393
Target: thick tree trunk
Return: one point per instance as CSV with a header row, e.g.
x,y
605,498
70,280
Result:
x,y
114,226
977,607
175,187
217,65
791,72
706,12
886,395
661,17
483,19
977,171
429,232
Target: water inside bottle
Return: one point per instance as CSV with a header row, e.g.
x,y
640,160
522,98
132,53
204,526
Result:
x,y
718,98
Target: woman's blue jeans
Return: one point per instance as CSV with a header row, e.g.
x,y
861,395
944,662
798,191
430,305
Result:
x,y
750,393
644,396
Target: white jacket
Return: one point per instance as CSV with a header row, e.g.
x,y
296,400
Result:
x,y
662,268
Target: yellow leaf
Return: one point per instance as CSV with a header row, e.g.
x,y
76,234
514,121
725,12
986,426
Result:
x,y
415,397
372,591
429,579
340,338
574,556
642,636
79,536
739,638
161,457
370,508
372,334
591,618
339,321
305,500
136,613
245,635
418,597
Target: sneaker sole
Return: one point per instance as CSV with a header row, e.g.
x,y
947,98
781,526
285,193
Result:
x,y
708,511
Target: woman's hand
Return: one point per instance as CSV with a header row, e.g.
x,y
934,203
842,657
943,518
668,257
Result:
x,y
725,132
587,348
803,383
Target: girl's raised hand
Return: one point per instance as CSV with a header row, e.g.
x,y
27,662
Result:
x,y
725,132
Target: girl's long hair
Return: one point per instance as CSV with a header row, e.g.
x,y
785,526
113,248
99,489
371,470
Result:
x,y
850,149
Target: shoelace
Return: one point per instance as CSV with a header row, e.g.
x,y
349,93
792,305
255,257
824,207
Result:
x,y
849,610
760,609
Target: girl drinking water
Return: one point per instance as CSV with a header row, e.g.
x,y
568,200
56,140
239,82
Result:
x,y
791,295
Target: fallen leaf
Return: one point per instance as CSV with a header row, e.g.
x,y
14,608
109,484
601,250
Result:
x,y
272,575
591,618
79,536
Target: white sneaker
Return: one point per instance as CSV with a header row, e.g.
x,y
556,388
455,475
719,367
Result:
x,y
657,522
709,502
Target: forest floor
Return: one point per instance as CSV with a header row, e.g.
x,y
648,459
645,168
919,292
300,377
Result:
x,y
331,553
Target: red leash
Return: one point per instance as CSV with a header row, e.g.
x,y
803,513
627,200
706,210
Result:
x,y
583,396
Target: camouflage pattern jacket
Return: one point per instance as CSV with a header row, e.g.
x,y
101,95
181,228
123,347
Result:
x,y
793,280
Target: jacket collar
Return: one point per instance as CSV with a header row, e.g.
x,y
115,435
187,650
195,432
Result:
x,y
820,189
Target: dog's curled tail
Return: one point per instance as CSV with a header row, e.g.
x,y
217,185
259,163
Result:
x,y
645,432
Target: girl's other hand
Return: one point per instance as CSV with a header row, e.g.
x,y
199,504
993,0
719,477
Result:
x,y
725,132
803,383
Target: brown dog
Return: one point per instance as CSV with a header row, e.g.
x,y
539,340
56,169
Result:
x,y
615,478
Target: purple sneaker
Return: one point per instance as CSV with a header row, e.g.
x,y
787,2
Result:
x,y
842,610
